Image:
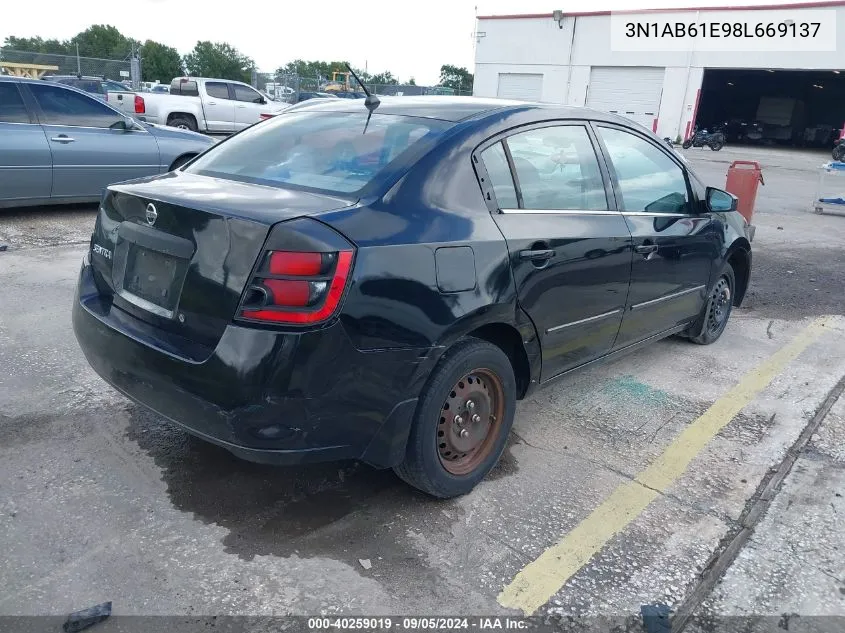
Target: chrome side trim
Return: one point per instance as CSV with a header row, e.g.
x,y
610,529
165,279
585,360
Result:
x,y
598,317
674,295
560,212
144,304
106,166
643,214
18,123
26,167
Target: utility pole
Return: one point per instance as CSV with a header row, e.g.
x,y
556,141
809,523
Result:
x,y
78,62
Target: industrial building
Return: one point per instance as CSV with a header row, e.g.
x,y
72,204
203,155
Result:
x,y
779,78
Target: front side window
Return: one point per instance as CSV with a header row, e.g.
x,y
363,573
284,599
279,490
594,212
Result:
x,y
242,93
500,176
556,168
217,89
60,106
12,108
328,151
649,180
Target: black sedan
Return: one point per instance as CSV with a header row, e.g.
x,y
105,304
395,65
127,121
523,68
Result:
x,y
335,283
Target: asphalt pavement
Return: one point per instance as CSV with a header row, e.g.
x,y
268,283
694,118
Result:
x,y
623,485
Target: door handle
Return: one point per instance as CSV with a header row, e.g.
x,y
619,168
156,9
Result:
x,y
62,138
212,103
538,255
241,106
646,249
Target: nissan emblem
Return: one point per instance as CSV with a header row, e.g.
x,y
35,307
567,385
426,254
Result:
x,y
152,214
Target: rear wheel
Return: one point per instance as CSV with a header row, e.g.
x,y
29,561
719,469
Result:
x,y
183,123
687,144
462,422
717,145
716,311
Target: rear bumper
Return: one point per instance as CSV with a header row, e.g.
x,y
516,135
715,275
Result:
x,y
265,396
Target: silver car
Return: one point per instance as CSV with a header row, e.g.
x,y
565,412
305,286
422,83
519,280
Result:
x,y
60,145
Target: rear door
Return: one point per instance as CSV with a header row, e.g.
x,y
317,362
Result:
x,y
674,245
570,251
25,161
90,149
218,106
249,104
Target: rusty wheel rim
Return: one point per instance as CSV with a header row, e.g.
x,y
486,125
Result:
x,y
470,420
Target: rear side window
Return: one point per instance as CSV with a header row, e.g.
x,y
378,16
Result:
x,y
556,168
60,106
648,179
217,89
12,109
500,176
319,150
184,87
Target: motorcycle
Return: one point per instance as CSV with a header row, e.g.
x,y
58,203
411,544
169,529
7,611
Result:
x,y
700,138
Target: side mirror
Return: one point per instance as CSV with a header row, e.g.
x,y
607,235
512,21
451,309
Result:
x,y
720,201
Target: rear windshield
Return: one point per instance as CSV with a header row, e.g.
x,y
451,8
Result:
x,y
319,150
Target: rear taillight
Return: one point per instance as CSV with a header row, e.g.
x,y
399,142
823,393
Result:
x,y
297,287
264,116
140,106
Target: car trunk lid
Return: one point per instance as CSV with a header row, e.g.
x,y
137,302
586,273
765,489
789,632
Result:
x,y
177,250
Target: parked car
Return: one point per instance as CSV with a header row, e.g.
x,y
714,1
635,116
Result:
x,y
351,95
103,89
60,144
205,105
306,291
305,95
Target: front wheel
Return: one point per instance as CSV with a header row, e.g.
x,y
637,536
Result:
x,y
717,310
462,421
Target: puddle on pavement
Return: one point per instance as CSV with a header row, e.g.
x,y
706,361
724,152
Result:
x,y
344,511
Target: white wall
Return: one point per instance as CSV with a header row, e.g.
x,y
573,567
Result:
x,y
538,45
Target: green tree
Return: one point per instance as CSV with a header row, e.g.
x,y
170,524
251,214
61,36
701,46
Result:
x,y
312,69
218,60
36,45
159,62
456,77
101,40
384,78
412,82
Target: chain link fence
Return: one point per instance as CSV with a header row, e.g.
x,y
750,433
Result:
x,y
31,64
290,88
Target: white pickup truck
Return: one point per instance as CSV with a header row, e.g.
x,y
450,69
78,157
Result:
x,y
203,105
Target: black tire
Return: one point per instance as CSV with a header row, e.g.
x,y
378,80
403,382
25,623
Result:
x,y
181,161
686,144
183,122
425,466
713,320
839,152
716,145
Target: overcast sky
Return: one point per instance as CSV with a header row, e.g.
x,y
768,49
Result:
x,y
411,38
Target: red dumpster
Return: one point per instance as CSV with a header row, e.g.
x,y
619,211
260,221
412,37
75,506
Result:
x,y
743,178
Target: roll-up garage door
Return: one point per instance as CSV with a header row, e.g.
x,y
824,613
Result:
x,y
522,86
628,91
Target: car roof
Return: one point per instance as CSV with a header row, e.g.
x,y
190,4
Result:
x,y
454,109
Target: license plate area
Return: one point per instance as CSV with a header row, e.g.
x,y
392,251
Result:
x,y
148,271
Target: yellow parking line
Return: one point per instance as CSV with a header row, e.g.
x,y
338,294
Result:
x,y
542,578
